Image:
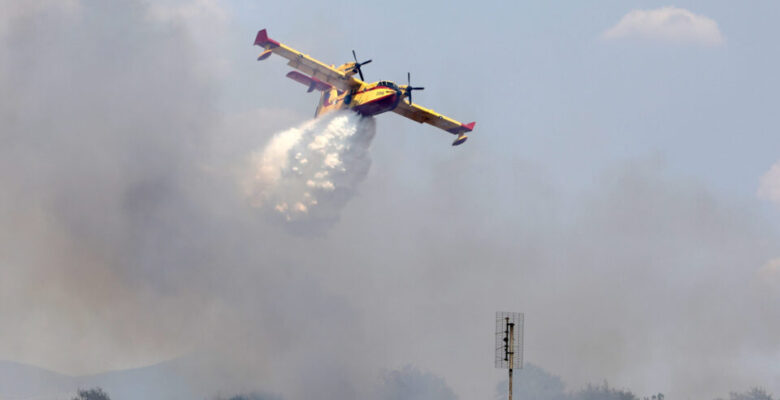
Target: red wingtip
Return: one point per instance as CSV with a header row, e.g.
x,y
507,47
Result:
x,y
262,39
469,126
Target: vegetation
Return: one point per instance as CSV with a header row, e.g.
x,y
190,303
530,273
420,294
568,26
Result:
x,y
547,387
603,392
92,394
534,383
752,394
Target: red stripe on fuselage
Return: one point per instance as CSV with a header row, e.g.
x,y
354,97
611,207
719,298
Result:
x,y
379,105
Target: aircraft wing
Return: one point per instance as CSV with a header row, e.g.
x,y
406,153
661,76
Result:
x,y
425,115
306,64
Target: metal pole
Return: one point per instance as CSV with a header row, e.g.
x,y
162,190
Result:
x,y
511,355
510,383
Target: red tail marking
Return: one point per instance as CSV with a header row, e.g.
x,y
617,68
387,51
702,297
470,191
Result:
x,y
263,40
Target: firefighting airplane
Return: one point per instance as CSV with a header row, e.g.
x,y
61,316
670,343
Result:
x,y
342,90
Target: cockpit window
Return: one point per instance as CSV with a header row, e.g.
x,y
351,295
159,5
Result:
x,y
389,84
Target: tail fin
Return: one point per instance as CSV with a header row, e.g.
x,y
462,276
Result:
x,y
263,40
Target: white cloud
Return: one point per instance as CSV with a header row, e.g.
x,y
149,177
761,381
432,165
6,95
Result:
x,y
769,185
667,24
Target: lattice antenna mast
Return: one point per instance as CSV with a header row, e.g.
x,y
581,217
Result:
x,y
509,343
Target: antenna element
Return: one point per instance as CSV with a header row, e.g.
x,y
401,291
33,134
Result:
x,y
509,342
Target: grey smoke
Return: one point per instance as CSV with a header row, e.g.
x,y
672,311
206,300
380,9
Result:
x,y
104,122
124,240
532,382
409,383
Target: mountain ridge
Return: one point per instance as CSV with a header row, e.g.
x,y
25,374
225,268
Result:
x,y
164,380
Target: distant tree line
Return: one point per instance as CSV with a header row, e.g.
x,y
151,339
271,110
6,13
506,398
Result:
x,y
752,394
550,390
92,394
534,383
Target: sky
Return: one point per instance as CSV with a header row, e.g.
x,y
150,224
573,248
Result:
x,y
621,188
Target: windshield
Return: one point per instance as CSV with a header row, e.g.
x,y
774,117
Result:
x,y
389,84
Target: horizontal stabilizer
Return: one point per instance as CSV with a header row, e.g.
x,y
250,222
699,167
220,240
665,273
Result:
x,y
312,83
463,128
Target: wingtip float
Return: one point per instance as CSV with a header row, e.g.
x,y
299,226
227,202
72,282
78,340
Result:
x,y
342,90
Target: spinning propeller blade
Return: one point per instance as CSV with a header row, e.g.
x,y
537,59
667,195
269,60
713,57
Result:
x,y
358,65
410,88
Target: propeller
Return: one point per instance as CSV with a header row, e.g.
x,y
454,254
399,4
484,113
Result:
x,y
358,65
409,88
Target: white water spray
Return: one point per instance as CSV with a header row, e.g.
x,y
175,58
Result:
x,y
308,173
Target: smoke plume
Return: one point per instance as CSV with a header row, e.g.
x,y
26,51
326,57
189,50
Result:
x,y
125,240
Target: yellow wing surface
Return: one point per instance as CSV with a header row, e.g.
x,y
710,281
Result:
x,y
425,115
306,64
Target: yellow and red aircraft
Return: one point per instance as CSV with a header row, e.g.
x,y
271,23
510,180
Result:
x,y
342,90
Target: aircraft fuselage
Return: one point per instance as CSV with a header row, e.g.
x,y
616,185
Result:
x,y
370,99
